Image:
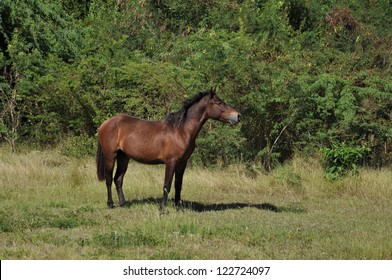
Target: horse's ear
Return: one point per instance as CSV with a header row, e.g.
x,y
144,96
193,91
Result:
x,y
213,91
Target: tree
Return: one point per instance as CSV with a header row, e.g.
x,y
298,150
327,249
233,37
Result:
x,y
304,74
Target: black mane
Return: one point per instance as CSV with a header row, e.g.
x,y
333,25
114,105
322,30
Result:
x,y
179,117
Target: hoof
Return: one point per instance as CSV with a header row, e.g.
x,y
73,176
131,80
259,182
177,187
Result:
x,y
163,210
111,205
179,206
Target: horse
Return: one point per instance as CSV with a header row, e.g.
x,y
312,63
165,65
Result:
x,y
170,141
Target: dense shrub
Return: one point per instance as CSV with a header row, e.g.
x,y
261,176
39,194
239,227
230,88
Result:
x,y
342,158
303,73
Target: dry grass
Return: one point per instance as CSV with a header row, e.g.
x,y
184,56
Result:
x,y
52,207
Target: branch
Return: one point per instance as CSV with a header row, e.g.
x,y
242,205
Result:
x,y
283,129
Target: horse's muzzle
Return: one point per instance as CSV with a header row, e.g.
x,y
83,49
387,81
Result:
x,y
234,118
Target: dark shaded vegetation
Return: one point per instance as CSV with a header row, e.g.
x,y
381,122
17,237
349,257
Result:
x,y
305,74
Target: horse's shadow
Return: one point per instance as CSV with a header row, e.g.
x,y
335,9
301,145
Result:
x,y
202,207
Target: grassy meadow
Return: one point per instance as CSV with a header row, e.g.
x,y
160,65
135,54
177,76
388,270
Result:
x,y
53,207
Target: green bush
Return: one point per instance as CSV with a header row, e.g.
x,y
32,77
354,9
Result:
x,y
301,72
342,158
218,144
79,146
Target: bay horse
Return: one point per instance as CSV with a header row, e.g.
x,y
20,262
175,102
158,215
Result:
x,y
169,141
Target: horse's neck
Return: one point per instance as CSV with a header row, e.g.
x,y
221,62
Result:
x,y
194,122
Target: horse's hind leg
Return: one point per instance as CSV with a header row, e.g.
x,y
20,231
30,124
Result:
x,y
109,166
122,165
109,180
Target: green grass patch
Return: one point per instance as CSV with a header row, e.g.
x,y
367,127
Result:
x,y
57,210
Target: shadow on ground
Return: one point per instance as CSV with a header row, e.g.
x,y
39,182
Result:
x,y
203,207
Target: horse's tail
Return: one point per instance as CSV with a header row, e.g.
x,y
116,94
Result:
x,y
100,163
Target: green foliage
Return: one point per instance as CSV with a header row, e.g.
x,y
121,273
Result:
x,y
219,144
342,158
79,146
303,73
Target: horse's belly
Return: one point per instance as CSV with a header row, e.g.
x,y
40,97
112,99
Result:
x,y
148,160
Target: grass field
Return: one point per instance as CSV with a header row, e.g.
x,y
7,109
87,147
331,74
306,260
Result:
x,y
52,207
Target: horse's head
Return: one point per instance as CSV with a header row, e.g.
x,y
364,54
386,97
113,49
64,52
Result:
x,y
217,109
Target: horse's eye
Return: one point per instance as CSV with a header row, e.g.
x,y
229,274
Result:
x,y
218,102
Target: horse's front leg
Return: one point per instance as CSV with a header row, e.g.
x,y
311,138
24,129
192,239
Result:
x,y
178,183
169,171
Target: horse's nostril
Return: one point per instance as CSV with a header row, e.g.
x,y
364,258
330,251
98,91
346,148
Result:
x,y
239,117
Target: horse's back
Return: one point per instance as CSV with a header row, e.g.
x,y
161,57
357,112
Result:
x,y
117,122
137,138
109,130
